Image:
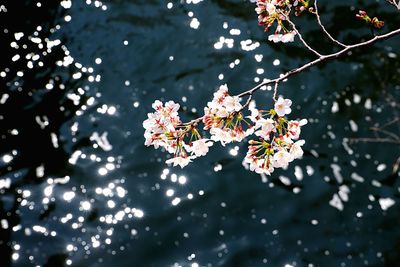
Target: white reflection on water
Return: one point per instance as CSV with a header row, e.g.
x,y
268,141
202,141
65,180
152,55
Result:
x,y
228,42
193,1
194,23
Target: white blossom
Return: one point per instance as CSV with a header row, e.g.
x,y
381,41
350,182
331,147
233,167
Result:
x,y
271,8
220,135
181,161
232,104
284,38
200,147
282,106
281,159
276,38
295,150
255,114
288,37
294,128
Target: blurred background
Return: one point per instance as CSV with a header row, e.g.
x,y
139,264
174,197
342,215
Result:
x,y
79,188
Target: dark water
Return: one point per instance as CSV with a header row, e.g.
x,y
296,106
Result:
x,y
79,188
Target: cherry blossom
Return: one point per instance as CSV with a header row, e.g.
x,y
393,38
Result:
x,y
276,141
281,159
282,106
200,147
295,149
284,38
223,118
271,11
232,104
275,148
181,161
294,128
288,37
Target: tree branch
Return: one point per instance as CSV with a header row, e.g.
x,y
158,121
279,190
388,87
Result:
x,y
301,37
393,2
375,140
308,65
323,27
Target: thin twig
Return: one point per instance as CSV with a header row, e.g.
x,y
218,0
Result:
x,y
323,27
322,59
390,123
275,91
394,136
392,2
375,140
301,37
396,165
248,101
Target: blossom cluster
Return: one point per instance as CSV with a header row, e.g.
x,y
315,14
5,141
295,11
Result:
x,y
164,129
271,11
223,118
276,145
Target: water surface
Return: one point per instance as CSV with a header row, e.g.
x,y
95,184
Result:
x,y
79,188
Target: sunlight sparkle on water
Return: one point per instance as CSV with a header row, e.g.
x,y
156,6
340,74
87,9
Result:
x,y
234,32
68,196
121,192
175,201
48,190
386,203
138,213
224,41
276,62
102,171
15,256
194,23
111,204
182,179
193,1
170,192
70,247
249,45
7,158
234,151
85,205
